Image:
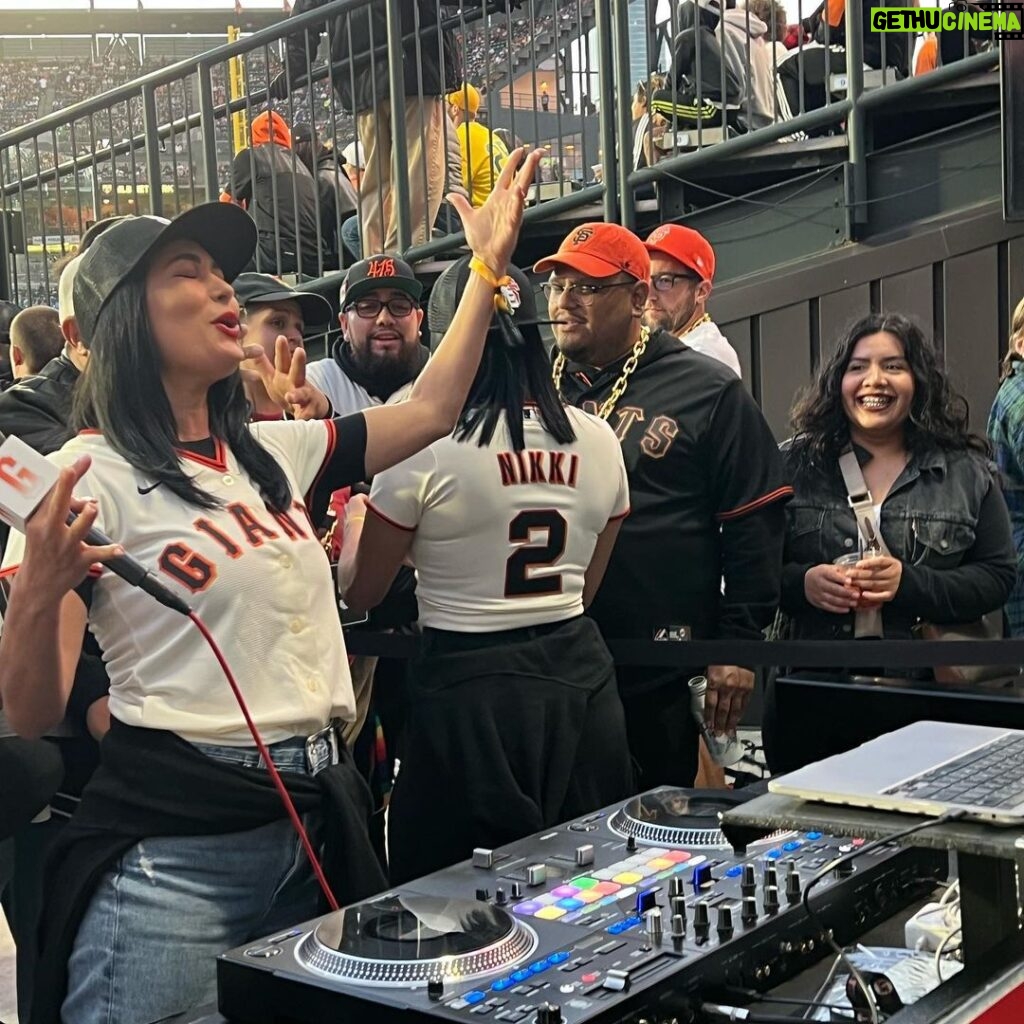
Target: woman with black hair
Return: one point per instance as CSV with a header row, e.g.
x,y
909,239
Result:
x,y
514,714
934,542
180,847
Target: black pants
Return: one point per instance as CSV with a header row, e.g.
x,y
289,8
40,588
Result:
x,y
663,736
507,734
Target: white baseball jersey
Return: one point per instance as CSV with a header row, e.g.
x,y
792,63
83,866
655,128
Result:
x,y
503,538
260,581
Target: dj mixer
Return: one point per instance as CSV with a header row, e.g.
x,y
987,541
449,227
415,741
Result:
x,y
632,912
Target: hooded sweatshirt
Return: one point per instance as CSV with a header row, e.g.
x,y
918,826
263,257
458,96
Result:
x,y
762,86
279,192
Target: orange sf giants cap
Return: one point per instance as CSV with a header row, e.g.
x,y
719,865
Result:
x,y
685,245
600,250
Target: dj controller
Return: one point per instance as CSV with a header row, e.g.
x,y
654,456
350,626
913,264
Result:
x,y
635,912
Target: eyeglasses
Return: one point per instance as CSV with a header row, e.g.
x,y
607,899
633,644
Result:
x,y
584,293
666,282
369,309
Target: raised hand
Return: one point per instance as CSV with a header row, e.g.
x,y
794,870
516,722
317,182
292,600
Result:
x,y
492,230
285,380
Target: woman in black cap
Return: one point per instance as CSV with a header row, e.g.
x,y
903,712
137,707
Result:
x,y
514,715
271,309
180,847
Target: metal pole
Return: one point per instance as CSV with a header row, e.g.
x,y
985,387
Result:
x,y
208,127
400,151
856,127
606,92
151,124
624,125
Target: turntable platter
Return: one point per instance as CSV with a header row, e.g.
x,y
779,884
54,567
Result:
x,y
676,817
407,938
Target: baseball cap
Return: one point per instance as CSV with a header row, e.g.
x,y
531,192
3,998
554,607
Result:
x,y
65,288
224,230
466,97
352,154
253,289
600,250
379,271
685,245
448,289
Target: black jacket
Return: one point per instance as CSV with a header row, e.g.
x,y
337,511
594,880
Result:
x,y
944,518
152,783
37,408
706,487
361,75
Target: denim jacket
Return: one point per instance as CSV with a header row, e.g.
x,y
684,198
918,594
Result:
x,y
944,518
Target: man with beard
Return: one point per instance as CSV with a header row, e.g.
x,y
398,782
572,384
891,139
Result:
x,y
682,269
706,490
379,351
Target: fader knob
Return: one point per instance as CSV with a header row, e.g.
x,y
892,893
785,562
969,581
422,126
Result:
x,y
793,886
483,895
517,890
435,989
748,911
702,915
500,897
771,900
748,881
631,844
548,1013
725,923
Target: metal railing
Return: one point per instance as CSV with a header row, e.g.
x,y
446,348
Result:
x,y
617,96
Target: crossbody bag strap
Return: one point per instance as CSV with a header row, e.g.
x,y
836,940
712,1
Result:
x,y
860,500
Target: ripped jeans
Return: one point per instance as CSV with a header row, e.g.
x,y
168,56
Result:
x,y
147,945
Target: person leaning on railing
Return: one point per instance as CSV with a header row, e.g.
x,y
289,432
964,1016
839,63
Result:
x,y
946,553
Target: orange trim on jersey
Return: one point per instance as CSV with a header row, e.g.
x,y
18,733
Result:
x,y
90,430
332,444
751,506
621,515
387,519
95,571
219,461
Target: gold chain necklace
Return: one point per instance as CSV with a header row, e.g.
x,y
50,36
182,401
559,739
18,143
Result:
x,y
705,319
619,388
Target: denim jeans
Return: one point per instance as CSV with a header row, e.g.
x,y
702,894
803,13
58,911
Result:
x,y
147,944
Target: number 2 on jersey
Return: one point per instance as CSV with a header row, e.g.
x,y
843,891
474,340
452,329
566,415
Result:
x,y
535,552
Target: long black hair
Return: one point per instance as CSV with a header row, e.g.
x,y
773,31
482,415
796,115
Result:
x,y
121,394
514,369
938,414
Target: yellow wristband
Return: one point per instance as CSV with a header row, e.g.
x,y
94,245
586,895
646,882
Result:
x,y
485,272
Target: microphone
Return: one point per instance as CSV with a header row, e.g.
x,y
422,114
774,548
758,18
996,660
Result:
x,y
26,477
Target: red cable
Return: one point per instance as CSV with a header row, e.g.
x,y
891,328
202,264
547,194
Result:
x,y
275,775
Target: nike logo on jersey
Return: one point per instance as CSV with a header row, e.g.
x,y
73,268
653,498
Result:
x,y
152,487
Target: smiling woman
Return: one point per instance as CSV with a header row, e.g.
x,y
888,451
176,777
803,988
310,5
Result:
x,y
948,555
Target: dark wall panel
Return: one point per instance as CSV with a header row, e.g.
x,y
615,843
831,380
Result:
x,y
971,314
738,334
910,293
837,310
1014,274
785,358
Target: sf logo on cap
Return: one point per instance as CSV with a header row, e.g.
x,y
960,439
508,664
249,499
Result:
x,y
657,234
381,268
581,236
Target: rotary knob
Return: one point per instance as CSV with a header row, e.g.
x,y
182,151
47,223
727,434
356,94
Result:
x,y
748,881
748,911
771,876
652,923
771,900
548,1013
725,928
678,926
793,887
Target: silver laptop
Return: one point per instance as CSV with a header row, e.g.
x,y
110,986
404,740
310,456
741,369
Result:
x,y
926,768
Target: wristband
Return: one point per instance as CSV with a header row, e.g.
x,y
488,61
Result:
x,y
476,264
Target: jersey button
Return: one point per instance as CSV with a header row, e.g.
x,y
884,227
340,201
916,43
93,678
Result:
x,y
296,625
228,479
312,684
285,561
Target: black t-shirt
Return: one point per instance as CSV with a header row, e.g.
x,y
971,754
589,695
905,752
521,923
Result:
x,y
698,453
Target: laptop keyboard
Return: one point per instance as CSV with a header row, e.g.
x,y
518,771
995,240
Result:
x,y
991,776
